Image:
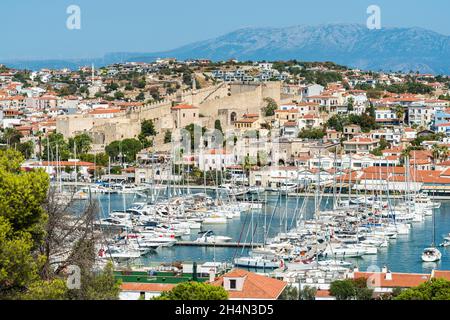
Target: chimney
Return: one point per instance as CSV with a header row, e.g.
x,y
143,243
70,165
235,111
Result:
x,y
388,275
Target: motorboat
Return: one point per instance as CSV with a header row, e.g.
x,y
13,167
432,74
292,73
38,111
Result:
x,y
301,264
210,237
288,187
112,222
446,241
81,195
431,254
119,253
256,190
259,262
233,190
215,219
344,251
335,263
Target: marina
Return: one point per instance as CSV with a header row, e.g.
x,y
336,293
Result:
x,y
283,212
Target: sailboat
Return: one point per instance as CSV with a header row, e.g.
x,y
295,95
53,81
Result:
x,y
432,254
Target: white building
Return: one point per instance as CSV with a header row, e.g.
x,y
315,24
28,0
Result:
x,y
214,159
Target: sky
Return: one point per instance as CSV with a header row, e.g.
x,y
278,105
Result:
x,y
36,29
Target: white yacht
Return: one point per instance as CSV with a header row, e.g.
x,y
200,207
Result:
x,y
301,264
259,262
210,237
431,255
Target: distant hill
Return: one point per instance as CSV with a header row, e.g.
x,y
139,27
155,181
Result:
x,y
353,45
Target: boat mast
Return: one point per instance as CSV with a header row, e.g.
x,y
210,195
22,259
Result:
x,y
109,185
350,179
334,180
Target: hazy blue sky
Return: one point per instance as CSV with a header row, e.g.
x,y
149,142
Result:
x,y
37,28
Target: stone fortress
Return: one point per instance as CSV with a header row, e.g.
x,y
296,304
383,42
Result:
x,y
225,101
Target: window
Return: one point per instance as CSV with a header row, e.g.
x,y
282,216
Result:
x,y
232,284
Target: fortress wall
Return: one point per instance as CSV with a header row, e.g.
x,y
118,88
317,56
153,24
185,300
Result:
x,y
228,97
243,99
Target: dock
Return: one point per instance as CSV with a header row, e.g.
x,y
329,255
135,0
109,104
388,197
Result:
x,y
220,244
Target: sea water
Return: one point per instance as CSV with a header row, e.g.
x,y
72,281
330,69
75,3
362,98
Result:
x,y
402,255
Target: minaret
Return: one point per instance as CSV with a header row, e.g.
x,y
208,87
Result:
x,y
194,83
93,72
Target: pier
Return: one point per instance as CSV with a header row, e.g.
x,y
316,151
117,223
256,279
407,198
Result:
x,y
220,244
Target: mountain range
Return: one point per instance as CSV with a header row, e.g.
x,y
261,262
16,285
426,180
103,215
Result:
x,y
354,45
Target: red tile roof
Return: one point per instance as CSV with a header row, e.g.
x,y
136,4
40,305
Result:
x,y
183,106
104,111
401,280
255,286
62,163
146,287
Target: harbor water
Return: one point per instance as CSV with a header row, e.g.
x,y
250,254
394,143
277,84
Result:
x,y
279,214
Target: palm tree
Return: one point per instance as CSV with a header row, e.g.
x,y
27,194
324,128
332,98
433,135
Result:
x,y
435,154
444,153
405,154
400,113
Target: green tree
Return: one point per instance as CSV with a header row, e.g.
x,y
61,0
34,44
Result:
x,y
118,95
342,289
22,220
313,133
140,97
11,136
167,137
270,107
218,125
194,291
436,289
351,289
17,266
382,145
83,143
289,293
350,104
112,87
100,159
308,293
337,122
96,286
400,113
26,149
55,289
57,145
148,128
127,147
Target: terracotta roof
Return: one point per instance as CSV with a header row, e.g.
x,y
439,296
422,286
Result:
x,y
183,106
323,294
247,120
290,124
216,151
104,111
142,287
63,163
441,274
251,115
292,110
255,286
402,280
360,140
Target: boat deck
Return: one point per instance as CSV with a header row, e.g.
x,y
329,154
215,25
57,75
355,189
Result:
x,y
220,244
